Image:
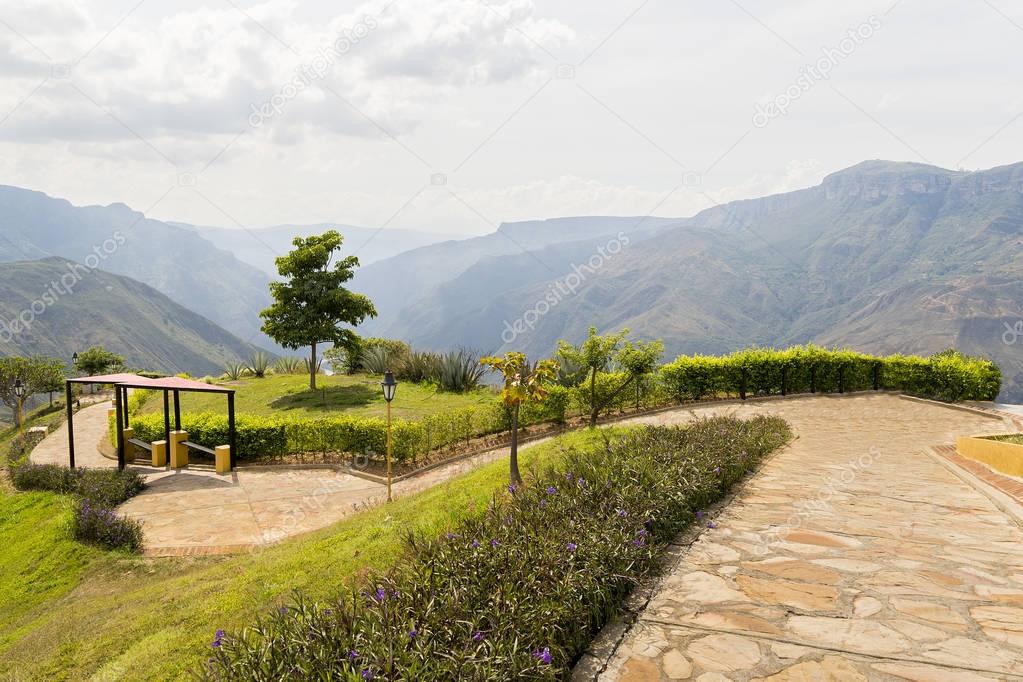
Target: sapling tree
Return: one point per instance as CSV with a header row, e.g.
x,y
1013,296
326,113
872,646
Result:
x,y
597,354
522,383
311,303
98,360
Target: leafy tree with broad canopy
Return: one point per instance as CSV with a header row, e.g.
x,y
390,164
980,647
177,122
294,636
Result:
x,y
98,360
311,304
597,353
38,374
521,384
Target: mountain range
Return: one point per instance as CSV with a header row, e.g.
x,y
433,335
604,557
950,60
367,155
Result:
x,y
55,307
882,257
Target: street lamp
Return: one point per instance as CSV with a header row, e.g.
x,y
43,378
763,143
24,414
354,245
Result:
x,y
389,385
74,359
19,390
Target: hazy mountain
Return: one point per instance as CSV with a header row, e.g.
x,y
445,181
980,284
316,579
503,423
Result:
x,y
406,285
883,257
261,245
73,308
176,261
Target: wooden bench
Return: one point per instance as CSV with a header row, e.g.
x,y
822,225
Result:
x,y
141,444
201,448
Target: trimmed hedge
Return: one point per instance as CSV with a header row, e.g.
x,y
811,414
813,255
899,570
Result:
x,y
949,375
516,591
261,438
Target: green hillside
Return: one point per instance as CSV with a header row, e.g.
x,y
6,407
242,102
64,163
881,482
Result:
x,y
125,316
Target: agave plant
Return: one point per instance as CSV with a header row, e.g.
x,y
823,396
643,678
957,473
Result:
x,y
420,366
376,360
234,370
258,364
288,365
460,371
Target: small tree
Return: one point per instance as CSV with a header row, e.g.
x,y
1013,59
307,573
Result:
x,y
596,355
521,384
38,374
98,360
311,303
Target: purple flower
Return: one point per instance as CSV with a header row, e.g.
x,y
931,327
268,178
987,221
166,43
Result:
x,y
283,610
551,490
451,536
642,532
475,543
622,513
569,476
717,470
381,594
218,637
413,632
512,488
711,524
571,546
544,655
478,636
582,482
543,502
493,543
638,542
699,515
367,674
352,655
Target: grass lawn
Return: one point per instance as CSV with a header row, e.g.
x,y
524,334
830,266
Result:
x,y
42,416
71,612
358,394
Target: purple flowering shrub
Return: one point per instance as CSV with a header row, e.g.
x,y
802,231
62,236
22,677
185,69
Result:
x,y
97,524
109,487
518,590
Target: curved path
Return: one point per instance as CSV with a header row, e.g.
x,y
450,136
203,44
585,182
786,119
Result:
x,y
854,554
91,426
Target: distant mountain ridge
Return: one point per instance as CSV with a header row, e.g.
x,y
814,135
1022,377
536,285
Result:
x,y
71,308
883,257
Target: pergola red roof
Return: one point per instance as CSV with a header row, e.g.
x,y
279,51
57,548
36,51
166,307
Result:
x,y
164,384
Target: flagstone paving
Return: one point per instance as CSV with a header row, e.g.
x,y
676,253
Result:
x,y
854,554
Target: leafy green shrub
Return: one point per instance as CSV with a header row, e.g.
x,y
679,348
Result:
x,y
460,371
258,364
234,370
762,371
518,590
107,487
376,360
97,524
420,367
287,364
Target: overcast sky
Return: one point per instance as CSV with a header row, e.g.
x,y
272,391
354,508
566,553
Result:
x,y
456,115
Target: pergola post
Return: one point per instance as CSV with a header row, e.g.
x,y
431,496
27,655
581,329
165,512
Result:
x,y
124,400
177,411
166,416
119,410
231,440
70,425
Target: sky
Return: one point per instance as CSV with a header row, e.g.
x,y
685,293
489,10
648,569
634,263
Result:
x,y
456,115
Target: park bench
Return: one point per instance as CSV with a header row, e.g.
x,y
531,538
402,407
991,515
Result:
x,y
141,444
200,448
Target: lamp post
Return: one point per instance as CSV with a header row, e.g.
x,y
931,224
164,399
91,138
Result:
x,y
389,385
19,391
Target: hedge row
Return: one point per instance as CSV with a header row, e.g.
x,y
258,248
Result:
x,y
949,376
516,591
263,438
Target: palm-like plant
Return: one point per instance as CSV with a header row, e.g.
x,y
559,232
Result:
x,y
420,366
521,384
258,364
460,371
234,370
376,360
288,365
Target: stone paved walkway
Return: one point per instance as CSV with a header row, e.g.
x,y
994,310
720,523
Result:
x,y
854,554
90,426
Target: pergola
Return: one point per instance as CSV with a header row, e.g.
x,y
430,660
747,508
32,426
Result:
x,y
169,385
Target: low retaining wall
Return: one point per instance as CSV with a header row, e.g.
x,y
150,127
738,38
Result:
x,y
1001,456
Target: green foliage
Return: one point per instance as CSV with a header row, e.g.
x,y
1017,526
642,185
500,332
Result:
x,y
420,367
97,360
38,374
376,360
107,487
258,364
949,375
345,359
598,353
99,525
516,590
311,303
378,355
460,371
287,364
234,370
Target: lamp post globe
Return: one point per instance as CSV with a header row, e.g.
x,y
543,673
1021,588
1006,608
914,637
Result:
x,y
19,388
389,385
74,359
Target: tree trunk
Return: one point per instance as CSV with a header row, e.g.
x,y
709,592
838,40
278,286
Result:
x,y
513,462
312,367
594,408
